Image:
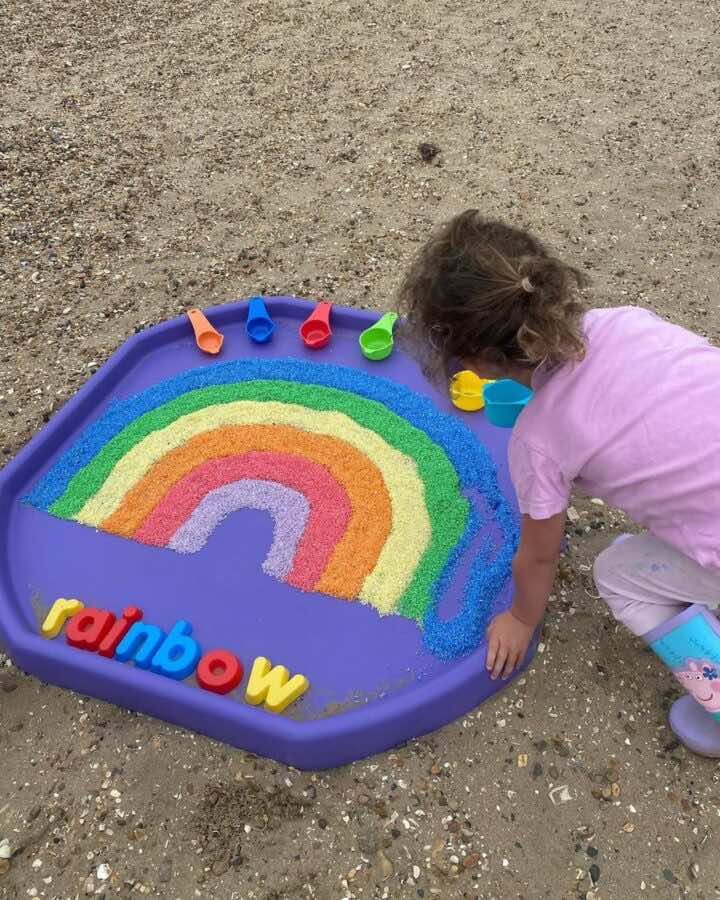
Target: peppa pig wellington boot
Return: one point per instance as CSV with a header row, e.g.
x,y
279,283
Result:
x,y
689,644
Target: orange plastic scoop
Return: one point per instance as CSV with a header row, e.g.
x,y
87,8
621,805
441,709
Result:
x,y
207,338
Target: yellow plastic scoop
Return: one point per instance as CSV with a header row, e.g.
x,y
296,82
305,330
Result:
x,y
466,390
207,338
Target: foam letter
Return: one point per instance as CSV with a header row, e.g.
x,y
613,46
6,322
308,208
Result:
x,y
109,643
271,685
140,644
219,671
178,654
88,627
60,611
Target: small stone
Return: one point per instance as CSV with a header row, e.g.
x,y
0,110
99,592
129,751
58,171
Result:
x,y
5,849
595,873
219,867
628,827
89,887
592,852
694,870
572,514
472,860
668,876
428,152
522,760
615,789
381,809
560,794
386,867
165,871
4,866
7,684
102,872
416,872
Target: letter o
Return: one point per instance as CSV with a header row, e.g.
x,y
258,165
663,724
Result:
x,y
219,671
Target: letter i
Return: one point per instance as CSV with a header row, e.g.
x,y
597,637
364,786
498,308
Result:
x,y
131,614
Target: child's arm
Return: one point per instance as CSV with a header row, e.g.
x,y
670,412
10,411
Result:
x,y
534,569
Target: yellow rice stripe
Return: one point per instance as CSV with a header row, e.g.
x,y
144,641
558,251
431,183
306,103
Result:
x,y
410,533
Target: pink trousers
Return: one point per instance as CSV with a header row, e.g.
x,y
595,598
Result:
x,y
645,582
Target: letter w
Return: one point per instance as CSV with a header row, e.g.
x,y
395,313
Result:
x,y
271,685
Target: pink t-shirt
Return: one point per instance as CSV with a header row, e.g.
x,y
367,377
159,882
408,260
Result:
x,y
636,423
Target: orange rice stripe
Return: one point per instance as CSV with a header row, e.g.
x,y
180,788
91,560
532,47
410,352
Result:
x,y
355,555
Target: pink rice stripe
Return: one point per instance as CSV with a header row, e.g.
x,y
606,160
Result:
x,y
289,508
329,504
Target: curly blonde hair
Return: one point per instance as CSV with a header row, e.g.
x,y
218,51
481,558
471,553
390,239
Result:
x,y
481,289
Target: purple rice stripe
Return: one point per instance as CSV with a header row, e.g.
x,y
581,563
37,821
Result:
x,y
288,507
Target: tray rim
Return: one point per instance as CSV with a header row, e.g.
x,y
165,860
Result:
x,y
306,744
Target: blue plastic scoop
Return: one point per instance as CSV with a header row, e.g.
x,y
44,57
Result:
x,y
259,325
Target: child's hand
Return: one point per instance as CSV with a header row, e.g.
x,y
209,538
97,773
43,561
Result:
x,y
508,640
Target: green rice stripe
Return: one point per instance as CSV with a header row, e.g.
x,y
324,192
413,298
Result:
x,y
447,509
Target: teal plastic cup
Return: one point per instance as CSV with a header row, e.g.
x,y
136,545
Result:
x,y
504,401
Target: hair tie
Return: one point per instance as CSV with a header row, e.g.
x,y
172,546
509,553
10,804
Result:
x,y
527,285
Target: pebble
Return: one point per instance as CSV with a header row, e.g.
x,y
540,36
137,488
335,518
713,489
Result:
x,y
4,866
165,871
560,794
386,867
5,849
103,872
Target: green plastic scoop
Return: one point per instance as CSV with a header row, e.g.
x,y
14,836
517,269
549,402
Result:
x,y
376,342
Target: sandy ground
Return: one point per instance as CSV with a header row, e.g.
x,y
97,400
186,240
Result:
x,y
158,155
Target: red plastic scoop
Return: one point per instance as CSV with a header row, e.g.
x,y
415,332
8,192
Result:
x,y
315,330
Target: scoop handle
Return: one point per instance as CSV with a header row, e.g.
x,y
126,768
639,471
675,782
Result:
x,y
386,322
257,309
199,322
321,313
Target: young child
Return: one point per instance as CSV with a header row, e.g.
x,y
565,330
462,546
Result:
x,y
625,408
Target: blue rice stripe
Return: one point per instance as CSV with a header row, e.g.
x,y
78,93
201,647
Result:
x,y
475,468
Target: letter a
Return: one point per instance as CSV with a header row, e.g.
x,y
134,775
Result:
x,y
271,685
88,627
60,611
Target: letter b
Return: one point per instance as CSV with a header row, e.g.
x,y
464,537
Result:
x,y
178,654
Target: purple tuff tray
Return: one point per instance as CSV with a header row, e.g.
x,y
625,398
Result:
x,y
372,682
